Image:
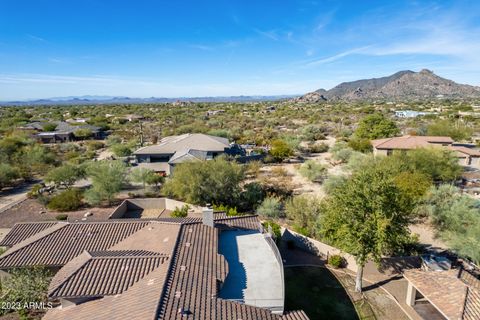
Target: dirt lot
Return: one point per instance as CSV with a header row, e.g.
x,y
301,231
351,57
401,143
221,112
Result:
x,y
31,210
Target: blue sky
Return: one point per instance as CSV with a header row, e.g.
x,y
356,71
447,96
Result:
x,y
146,48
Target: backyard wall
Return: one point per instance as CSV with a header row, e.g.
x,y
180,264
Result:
x,y
150,203
391,265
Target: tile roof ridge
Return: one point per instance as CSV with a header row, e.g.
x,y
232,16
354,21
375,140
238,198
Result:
x,y
238,217
83,258
149,254
34,238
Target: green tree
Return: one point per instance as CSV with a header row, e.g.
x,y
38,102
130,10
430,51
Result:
x,y
304,211
456,218
108,178
271,207
143,176
280,150
367,217
456,130
201,182
8,174
24,286
437,163
376,126
65,175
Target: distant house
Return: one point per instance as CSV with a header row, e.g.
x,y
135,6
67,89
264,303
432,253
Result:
x,y
466,156
55,137
64,131
173,150
409,114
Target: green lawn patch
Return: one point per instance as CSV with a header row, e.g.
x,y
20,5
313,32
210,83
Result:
x,y
316,291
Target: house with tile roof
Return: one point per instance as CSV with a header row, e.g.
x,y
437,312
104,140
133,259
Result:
x,y
466,156
164,268
162,157
452,294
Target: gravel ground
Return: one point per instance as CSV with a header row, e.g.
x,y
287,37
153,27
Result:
x,y
31,210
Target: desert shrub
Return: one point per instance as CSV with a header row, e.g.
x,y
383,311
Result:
x,y
271,207
276,230
279,172
304,211
24,287
341,152
251,196
61,217
280,150
113,140
67,200
317,147
336,261
35,191
121,150
8,174
229,211
49,127
313,132
332,183
83,133
94,145
361,145
456,218
456,131
312,170
180,212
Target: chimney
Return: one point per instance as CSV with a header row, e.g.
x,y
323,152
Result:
x,y
207,216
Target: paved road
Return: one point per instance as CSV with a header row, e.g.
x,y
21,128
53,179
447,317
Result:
x,y
10,197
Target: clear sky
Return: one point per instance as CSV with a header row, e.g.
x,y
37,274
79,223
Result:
x,y
143,48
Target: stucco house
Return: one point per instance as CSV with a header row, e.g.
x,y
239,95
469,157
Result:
x,y
173,150
466,156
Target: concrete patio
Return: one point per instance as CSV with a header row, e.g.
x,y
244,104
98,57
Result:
x,y
255,277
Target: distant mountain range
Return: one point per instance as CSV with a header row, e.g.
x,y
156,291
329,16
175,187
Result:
x,y
82,100
401,86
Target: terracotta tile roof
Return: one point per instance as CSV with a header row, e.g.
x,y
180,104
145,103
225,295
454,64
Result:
x,y
295,315
465,150
22,231
249,222
141,299
451,293
409,142
472,305
192,284
62,242
174,269
106,273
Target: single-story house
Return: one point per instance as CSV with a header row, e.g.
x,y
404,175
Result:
x,y
466,156
64,131
172,150
162,268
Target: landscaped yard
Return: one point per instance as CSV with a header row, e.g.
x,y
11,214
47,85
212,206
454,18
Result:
x,y
318,293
